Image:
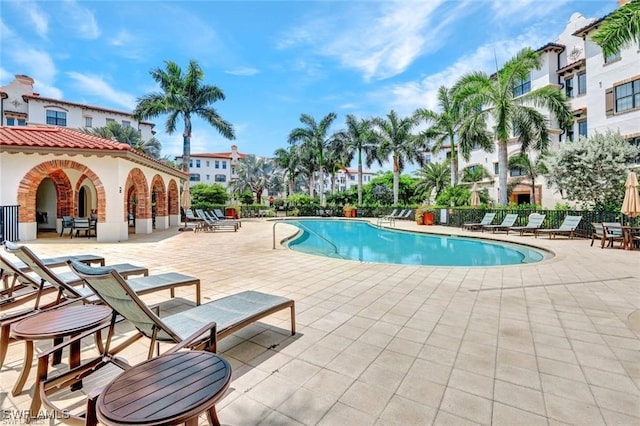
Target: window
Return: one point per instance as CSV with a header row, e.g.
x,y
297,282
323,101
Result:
x,y
496,168
57,118
194,177
110,120
517,171
520,87
570,134
221,178
627,96
352,177
612,58
582,83
88,122
11,121
22,122
224,165
207,163
190,163
636,142
126,123
216,164
568,87
582,128
208,178
197,164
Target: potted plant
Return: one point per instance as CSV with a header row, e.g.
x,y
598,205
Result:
x,y
350,210
425,215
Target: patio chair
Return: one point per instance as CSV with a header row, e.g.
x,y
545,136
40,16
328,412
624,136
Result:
x,y
611,232
406,215
507,222
390,218
67,223
486,220
210,224
532,226
81,224
230,313
567,227
218,213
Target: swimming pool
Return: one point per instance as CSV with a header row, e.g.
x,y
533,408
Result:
x,y
361,241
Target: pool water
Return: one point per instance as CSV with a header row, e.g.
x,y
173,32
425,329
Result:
x,y
361,241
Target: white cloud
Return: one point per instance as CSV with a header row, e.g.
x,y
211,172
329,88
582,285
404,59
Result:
x,y
35,63
97,86
123,38
39,20
81,20
524,9
381,41
243,71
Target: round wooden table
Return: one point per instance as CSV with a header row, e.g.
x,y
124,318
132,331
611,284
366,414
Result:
x,y
168,390
56,324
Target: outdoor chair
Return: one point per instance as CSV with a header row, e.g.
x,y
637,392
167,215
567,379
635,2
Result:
x,y
567,227
217,214
486,220
406,215
67,223
81,224
230,313
507,222
210,224
390,218
532,226
611,232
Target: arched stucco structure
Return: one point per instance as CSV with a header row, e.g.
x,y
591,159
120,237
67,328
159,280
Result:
x,y
55,169
161,212
173,202
136,184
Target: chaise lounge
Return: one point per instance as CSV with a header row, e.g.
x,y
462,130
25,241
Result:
x,y
486,220
532,226
567,227
507,223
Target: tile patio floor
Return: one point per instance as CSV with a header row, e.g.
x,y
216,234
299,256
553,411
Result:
x,y
550,343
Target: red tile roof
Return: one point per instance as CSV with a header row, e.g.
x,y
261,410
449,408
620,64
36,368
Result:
x,y
56,137
215,155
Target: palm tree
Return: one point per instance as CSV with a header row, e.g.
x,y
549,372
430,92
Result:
x,y
128,135
397,141
287,160
315,140
337,158
475,173
255,174
359,138
433,176
532,169
452,123
151,147
619,29
183,95
495,98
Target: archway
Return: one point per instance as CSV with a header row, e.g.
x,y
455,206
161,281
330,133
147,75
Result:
x,y
137,199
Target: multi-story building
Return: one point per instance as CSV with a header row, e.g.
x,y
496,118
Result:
x,y
21,106
348,178
215,167
604,93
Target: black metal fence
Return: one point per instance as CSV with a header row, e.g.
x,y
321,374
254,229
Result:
x,y
9,223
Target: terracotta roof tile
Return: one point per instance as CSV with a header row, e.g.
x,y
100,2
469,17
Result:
x,y
215,155
56,137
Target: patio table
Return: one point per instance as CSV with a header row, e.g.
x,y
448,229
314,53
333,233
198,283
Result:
x,y
168,390
56,324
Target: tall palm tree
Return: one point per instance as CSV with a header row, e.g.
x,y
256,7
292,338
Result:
x,y
433,176
532,169
287,160
126,134
619,29
454,127
315,139
183,95
151,147
494,97
475,173
336,159
397,141
359,139
255,174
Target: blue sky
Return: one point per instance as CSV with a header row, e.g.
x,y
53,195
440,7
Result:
x,y
273,59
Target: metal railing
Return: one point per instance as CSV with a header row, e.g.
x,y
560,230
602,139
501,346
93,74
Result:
x,y
9,223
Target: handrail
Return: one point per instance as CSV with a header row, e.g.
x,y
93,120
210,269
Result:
x,y
335,248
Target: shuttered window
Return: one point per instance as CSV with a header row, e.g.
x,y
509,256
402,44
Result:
x,y
608,100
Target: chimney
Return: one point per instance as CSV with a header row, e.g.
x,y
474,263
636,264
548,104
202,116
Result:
x,y
622,2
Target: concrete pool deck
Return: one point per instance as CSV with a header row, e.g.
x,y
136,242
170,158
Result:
x,y
555,342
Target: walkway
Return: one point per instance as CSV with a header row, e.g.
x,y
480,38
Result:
x,y
547,343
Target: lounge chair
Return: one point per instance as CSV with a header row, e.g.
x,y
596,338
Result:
x,y
210,224
567,227
507,222
532,226
486,220
405,215
390,218
217,214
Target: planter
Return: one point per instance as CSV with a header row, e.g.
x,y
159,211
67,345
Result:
x,y
428,218
354,213
230,213
419,220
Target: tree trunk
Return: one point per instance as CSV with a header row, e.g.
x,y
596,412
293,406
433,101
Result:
x,y
533,191
396,180
503,166
321,187
359,177
454,163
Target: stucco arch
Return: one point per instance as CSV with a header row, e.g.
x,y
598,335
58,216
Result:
x,y
55,169
158,186
173,198
137,185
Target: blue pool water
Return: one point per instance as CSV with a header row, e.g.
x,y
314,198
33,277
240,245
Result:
x,y
361,241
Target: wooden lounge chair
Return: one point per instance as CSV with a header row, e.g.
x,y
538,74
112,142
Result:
x,y
486,220
611,232
567,227
507,222
532,226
